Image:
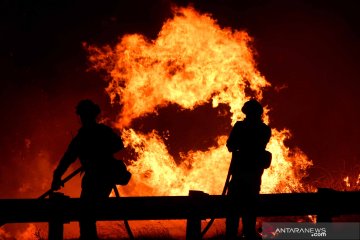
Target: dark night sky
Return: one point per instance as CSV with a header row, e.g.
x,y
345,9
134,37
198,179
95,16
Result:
x,y
308,49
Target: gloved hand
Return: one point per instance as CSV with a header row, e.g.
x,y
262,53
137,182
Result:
x,y
56,183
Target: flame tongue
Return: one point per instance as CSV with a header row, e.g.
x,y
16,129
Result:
x,y
192,62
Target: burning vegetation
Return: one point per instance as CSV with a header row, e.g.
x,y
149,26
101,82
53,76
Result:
x,y
192,62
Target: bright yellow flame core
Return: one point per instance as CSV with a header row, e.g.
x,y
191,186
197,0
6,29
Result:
x,y
192,62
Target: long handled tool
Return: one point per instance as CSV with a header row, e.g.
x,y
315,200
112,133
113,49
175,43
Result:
x,y
127,226
70,176
73,174
226,185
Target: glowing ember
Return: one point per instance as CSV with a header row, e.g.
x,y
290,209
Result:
x,y
192,62
346,180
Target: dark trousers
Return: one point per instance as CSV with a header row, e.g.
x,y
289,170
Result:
x,y
92,191
243,196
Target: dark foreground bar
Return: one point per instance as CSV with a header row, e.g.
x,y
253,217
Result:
x,y
325,203
195,207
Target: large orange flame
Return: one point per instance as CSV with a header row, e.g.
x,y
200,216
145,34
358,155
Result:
x,y
192,62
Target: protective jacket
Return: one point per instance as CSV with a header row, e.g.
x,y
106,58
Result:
x,y
94,145
247,142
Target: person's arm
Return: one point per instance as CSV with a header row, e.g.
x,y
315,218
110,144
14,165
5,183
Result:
x,y
69,157
232,140
267,136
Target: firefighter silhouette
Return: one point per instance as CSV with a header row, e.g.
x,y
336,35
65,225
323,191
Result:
x,y
94,145
247,142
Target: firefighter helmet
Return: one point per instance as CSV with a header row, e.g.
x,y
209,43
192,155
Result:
x,y
88,108
252,107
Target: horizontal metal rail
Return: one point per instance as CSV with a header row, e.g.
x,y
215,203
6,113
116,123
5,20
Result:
x,y
199,206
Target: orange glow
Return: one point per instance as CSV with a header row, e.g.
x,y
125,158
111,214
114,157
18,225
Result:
x,y
192,62
352,183
347,183
29,233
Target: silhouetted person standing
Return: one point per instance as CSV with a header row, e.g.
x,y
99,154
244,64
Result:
x,y
247,142
94,145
